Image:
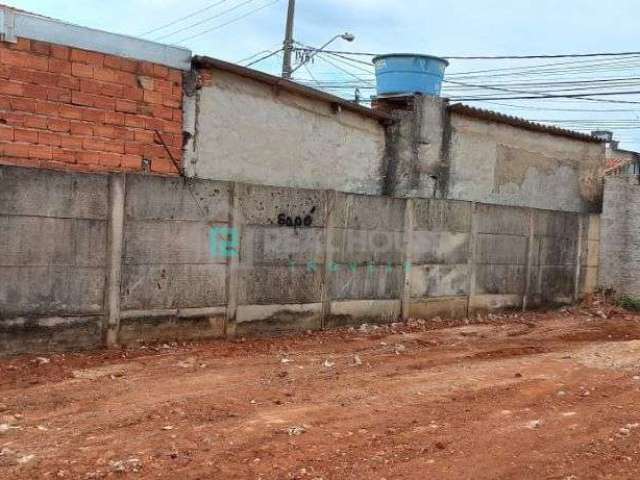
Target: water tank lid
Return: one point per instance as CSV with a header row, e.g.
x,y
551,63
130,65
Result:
x,y
404,55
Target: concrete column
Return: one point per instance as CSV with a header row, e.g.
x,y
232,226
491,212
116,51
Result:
x,y
233,262
416,157
115,241
329,251
471,262
409,222
576,285
529,265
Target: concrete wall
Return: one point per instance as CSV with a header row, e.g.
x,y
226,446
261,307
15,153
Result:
x,y
53,232
497,163
248,131
620,236
129,258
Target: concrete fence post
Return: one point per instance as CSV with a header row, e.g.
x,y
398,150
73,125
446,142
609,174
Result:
x,y
409,221
115,242
233,262
329,251
471,261
578,270
529,260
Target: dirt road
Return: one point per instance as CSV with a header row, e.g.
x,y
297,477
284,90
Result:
x,y
540,396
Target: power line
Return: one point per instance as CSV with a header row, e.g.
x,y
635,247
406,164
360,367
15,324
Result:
x,y
233,20
503,57
208,19
162,27
261,59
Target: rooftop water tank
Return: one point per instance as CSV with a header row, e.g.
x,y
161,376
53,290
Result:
x,y
404,73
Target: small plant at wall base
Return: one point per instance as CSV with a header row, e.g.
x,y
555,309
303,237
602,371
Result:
x,y
629,303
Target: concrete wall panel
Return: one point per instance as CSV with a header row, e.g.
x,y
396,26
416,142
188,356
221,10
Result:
x,y
249,132
161,198
260,205
47,193
50,290
173,286
365,282
439,281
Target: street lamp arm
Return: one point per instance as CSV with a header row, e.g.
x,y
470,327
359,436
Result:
x,y
345,36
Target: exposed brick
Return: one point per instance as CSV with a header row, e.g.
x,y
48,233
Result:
x,y
134,121
35,121
73,143
163,165
43,152
145,136
114,118
57,65
111,159
163,86
134,148
41,48
73,109
12,118
23,44
114,146
56,125
145,68
23,104
92,115
88,158
163,112
46,138
132,162
81,98
49,109
106,74
46,79
123,133
153,97
134,93
65,81
25,136
81,70
62,95
70,112
6,134
60,52
112,61
126,106
61,155
17,150
154,124
35,91
104,103
93,143
11,88
84,56
106,131
127,79
78,128
175,76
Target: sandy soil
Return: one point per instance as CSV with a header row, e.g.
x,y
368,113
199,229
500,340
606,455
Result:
x,y
551,395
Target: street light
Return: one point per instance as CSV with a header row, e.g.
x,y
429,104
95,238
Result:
x,y
348,37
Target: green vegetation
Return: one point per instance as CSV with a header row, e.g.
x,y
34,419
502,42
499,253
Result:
x,y
629,303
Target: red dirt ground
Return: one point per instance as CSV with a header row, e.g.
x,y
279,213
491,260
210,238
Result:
x,y
529,397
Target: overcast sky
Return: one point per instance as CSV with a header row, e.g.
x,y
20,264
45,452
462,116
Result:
x,y
462,27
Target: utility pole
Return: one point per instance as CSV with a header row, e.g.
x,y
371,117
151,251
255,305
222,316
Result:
x,y
287,68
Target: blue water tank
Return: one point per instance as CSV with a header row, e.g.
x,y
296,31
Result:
x,y
404,73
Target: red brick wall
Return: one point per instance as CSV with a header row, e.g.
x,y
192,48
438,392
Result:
x,y
66,108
